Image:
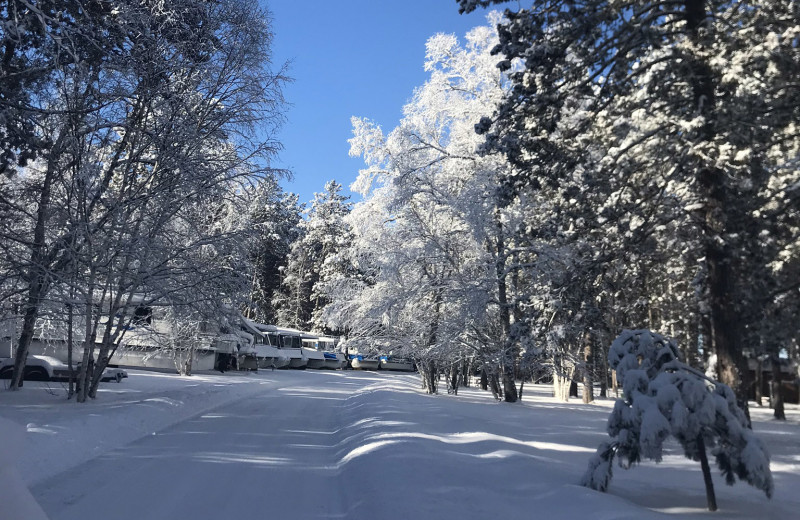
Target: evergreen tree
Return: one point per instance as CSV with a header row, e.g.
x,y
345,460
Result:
x,y
324,234
665,397
275,217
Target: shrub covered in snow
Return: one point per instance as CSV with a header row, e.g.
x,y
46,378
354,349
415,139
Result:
x,y
663,396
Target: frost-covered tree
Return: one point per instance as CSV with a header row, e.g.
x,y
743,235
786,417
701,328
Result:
x,y
143,139
664,398
440,239
397,297
324,233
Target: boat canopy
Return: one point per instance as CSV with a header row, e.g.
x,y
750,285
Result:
x,y
250,326
263,327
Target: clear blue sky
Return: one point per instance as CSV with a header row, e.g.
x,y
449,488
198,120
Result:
x,y
350,58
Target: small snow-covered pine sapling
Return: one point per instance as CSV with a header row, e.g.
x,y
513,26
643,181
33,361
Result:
x,y
664,396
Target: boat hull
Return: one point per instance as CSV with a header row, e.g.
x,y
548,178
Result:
x,y
335,361
315,359
296,358
397,366
281,362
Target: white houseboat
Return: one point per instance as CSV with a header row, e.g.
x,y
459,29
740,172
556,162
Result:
x,y
312,350
334,359
149,338
268,355
272,355
291,345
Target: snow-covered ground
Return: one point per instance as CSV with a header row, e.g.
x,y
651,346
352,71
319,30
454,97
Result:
x,y
355,445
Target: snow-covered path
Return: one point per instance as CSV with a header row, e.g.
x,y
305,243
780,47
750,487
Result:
x,y
326,445
371,446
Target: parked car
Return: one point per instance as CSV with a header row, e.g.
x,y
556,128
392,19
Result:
x,y
37,368
46,368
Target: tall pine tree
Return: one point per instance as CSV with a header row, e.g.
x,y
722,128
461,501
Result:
x,y
324,234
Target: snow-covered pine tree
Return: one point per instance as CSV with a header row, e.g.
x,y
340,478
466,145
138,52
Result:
x,y
275,217
665,397
324,234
